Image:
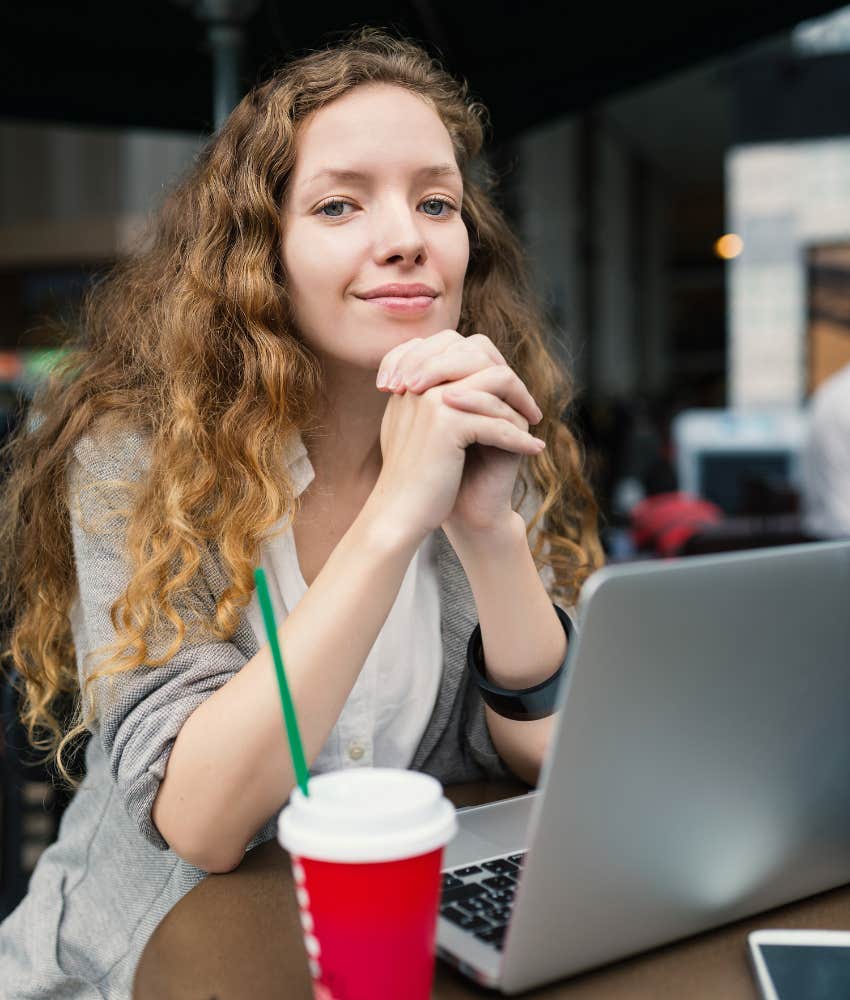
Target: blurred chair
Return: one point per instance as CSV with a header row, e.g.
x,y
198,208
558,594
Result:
x,y
736,533
675,524
661,524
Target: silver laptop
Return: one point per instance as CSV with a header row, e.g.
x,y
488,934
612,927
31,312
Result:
x,y
699,770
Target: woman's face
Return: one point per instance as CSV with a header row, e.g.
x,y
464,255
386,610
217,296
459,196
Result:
x,y
374,201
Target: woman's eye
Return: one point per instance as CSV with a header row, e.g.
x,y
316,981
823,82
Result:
x,y
435,206
332,209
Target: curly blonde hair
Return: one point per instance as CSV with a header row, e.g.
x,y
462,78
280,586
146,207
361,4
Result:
x,y
189,341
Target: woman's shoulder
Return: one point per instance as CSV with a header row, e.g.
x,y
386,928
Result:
x,y
107,465
111,450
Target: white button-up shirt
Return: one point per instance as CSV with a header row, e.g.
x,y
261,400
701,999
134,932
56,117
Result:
x,y
386,713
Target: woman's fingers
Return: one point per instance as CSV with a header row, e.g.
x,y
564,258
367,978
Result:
x,y
484,403
425,366
501,433
447,367
391,363
421,363
430,352
503,382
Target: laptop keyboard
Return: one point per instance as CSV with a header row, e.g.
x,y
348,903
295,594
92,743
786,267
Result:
x,y
479,898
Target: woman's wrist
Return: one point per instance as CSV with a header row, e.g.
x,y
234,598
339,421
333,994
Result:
x,y
524,643
481,542
383,529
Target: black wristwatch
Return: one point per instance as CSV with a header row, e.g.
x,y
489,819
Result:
x,y
526,704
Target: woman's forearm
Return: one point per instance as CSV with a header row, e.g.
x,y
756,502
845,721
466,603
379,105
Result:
x,y
524,643
230,768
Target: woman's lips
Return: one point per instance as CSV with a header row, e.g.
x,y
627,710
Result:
x,y
401,297
402,304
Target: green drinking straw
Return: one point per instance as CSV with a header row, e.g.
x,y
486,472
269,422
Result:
x,y
291,722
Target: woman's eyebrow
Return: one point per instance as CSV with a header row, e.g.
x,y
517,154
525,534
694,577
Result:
x,y
438,170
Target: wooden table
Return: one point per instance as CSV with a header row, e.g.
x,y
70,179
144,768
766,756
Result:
x,y
238,937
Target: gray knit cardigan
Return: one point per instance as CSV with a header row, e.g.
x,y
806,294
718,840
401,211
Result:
x,y
100,890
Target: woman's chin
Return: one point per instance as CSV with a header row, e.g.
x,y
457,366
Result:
x,y
381,337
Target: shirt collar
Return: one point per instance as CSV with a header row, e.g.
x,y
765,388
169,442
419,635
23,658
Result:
x,y
298,463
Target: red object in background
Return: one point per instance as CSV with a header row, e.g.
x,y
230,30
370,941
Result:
x,y
370,929
665,521
11,366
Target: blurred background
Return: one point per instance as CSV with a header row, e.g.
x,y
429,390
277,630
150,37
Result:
x,y
679,178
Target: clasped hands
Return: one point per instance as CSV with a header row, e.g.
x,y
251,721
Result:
x,y
470,374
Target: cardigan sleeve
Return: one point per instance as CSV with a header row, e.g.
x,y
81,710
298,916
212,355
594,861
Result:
x,y
139,712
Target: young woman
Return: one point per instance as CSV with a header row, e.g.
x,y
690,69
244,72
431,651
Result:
x,y
326,360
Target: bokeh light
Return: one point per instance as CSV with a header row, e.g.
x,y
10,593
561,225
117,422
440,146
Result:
x,y
728,246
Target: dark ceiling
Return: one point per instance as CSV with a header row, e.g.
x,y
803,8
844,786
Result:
x,y
147,64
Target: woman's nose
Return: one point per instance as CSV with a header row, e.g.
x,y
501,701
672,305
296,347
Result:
x,y
400,239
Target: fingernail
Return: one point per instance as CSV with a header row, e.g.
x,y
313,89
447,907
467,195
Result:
x,y
415,382
539,414
394,382
382,380
541,444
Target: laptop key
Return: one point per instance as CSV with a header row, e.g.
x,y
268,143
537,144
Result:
x,y
450,882
478,904
469,870
462,892
455,915
500,882
493,935
468,921
517,858
500,867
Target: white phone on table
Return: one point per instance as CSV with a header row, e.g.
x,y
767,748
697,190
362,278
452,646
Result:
x,y
801,965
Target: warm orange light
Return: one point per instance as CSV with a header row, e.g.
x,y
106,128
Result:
x,y
728,246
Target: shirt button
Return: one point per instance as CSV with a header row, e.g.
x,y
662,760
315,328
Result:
x,y
355,751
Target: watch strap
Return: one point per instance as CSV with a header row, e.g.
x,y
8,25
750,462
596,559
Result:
x,y
526,704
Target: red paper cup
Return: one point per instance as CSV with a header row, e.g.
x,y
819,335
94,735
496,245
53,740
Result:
x,y
366,848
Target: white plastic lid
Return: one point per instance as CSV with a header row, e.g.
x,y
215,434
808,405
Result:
x,y
367,814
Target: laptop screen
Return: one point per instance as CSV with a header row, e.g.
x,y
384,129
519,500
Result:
x,y
729,478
